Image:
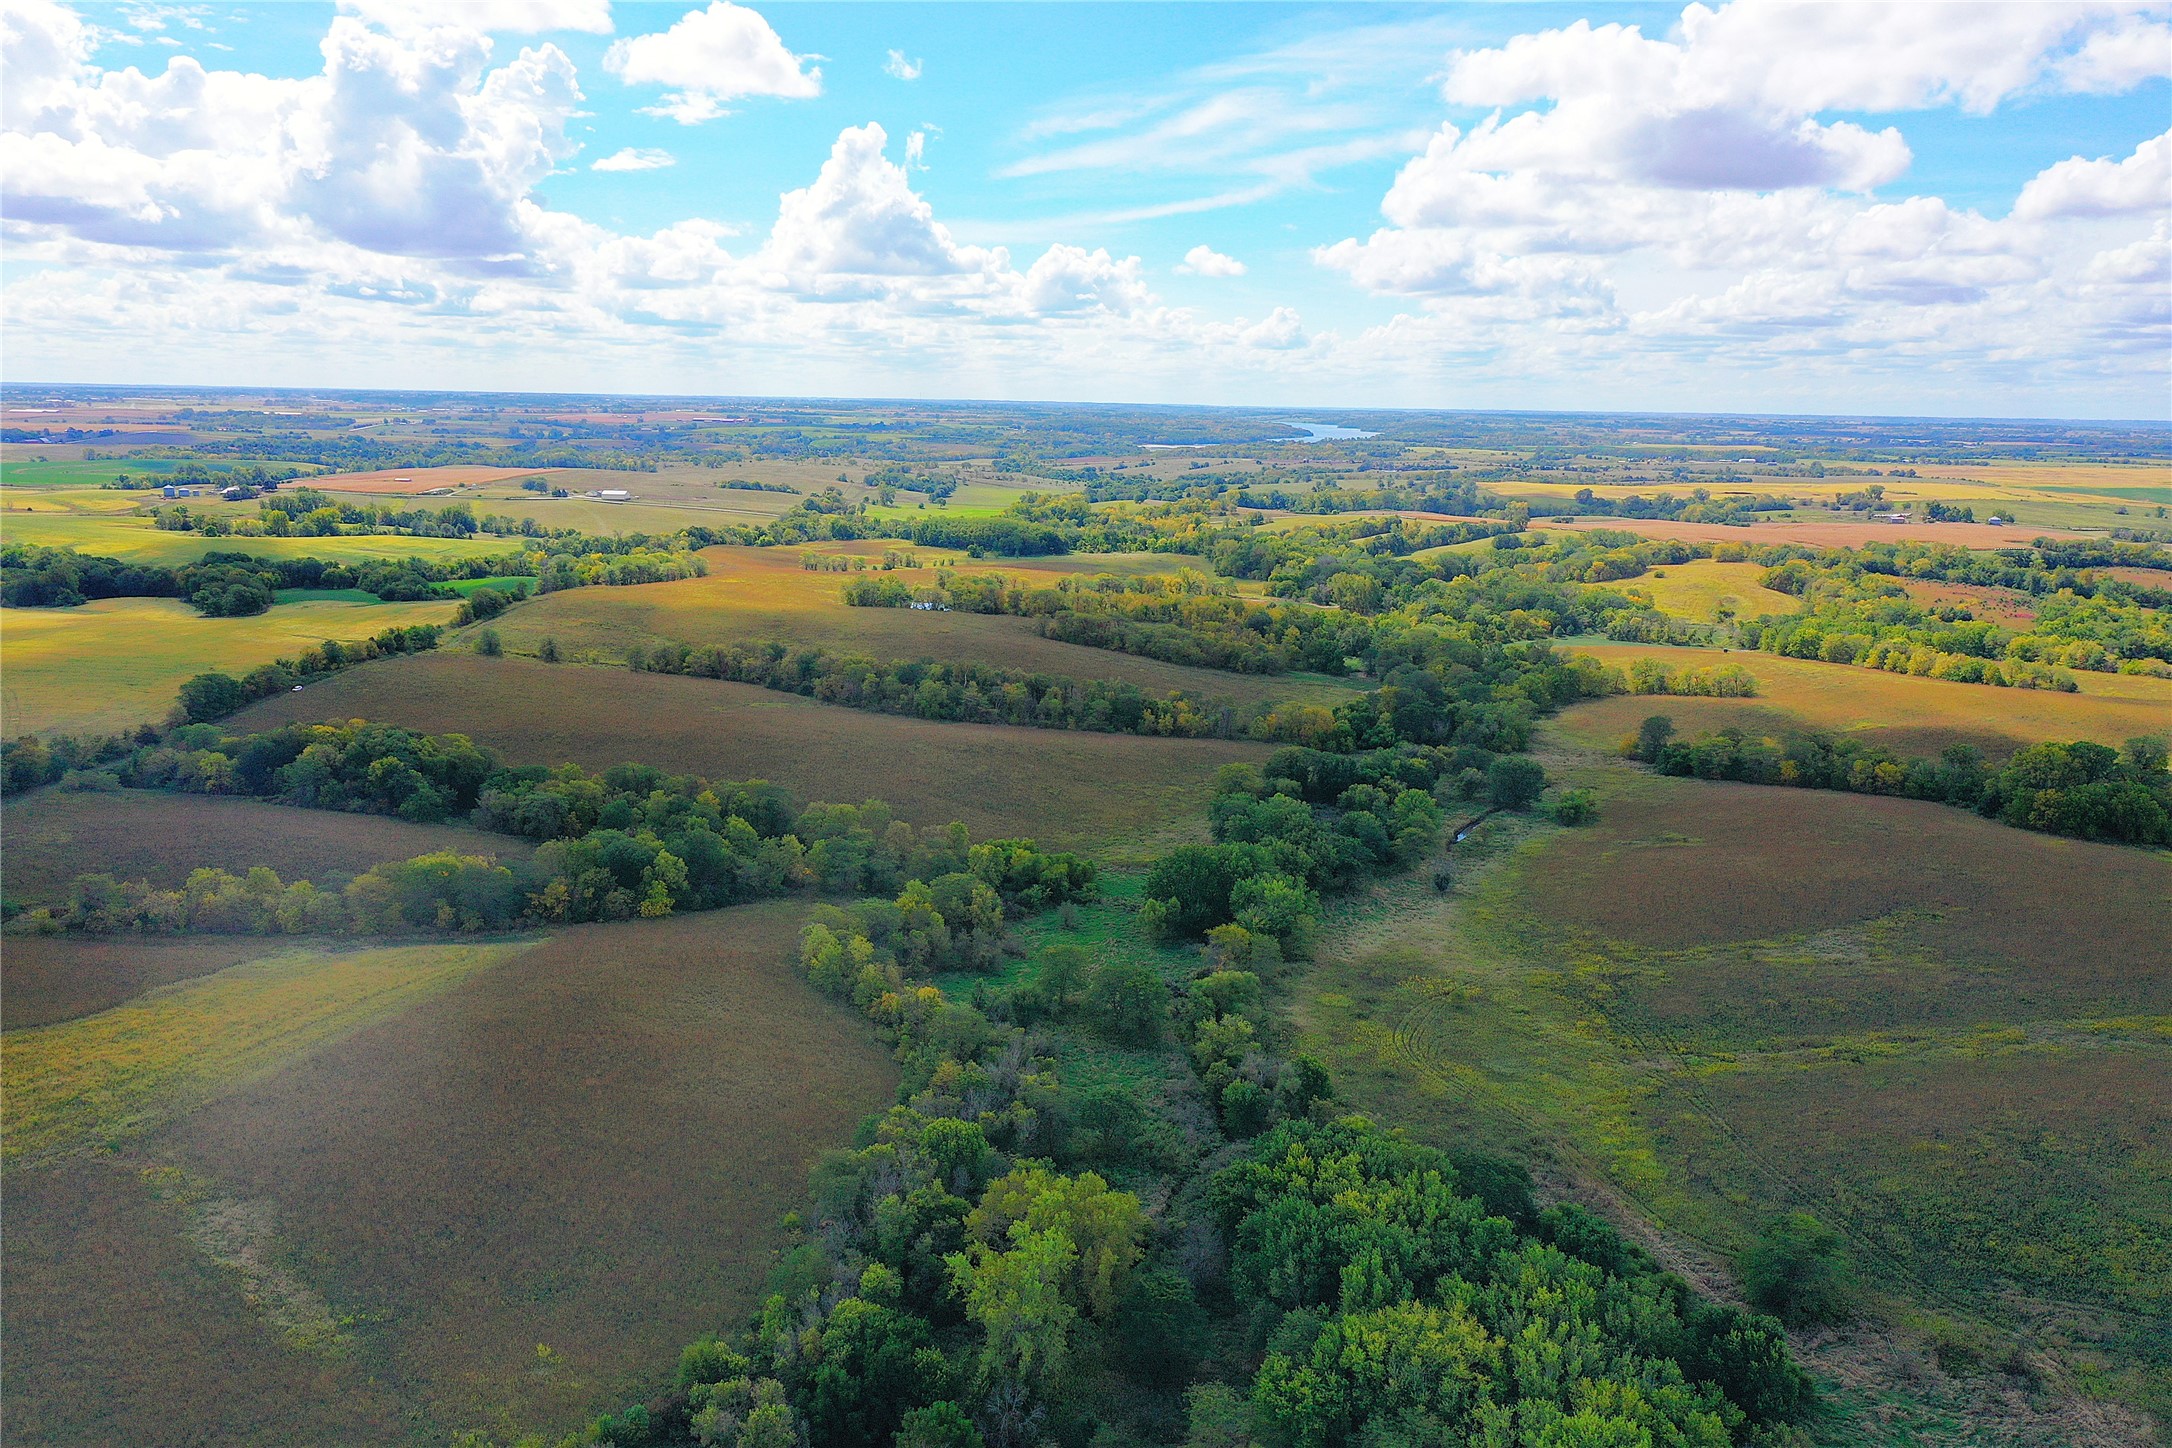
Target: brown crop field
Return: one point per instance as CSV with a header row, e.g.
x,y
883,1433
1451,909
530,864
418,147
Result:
x,y
58,978
755,595
1904,713
1817,532
409,481
52,836
1676,864
2007,607
586,1146
1065,788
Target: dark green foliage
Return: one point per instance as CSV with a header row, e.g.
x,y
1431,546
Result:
x,y
211,696
1800,1272
1514,783
1127,1002
2089,791
965,692
938,1425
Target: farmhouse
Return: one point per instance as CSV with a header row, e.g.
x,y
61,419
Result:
x,y
613,495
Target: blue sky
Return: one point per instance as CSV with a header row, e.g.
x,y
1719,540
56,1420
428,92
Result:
x,y
1828,208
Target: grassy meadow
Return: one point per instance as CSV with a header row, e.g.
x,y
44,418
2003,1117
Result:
x,y
1720,1002
1065,788
1701,590
116,662
1900,711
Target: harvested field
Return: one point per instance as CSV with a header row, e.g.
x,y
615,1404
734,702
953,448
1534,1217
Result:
x,y
1904,713
1699,591
115,663
1818,533
586,1147
755,595
2007,607
1061,787
52,836
104,1286
58,978
1676,864
409,481
107,1078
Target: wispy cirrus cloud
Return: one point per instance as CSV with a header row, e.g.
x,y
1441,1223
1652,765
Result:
x,y
1282,117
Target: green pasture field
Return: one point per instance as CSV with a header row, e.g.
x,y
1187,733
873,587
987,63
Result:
x,y
755,595
1065,788
1698,591
115,662
18,471
139,540
501,1183
21,501
504,582
50,836
1900,711
1721,1002
286,596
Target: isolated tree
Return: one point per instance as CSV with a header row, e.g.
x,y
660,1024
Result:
x,y
1059,975
1652,737
1800,1272
1514,782
1127,1001
211,696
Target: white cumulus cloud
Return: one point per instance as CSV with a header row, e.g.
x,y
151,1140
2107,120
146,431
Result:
x,y
900,67
2104,187
635,158
861,218
710,57
1205,261
521,17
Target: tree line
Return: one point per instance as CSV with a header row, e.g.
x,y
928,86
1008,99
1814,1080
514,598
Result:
x,y
2086,790
631,841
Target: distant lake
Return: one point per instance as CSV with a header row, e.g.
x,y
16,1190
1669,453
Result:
x,y
1323,431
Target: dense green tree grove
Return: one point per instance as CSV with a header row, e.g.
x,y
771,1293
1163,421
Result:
x,y
1403,1310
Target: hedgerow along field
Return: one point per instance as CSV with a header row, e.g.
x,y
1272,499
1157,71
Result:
x,y
501,1205
756,595
1721,1002
114,663
52,836
138,540
1904,713
1064,788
